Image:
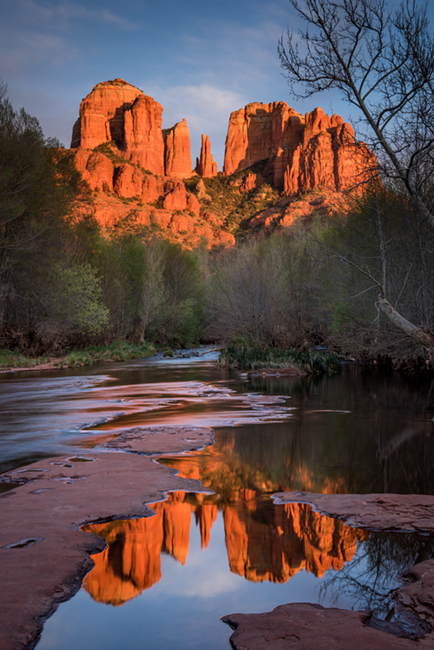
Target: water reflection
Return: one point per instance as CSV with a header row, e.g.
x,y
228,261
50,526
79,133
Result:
x,y
263,542
368,580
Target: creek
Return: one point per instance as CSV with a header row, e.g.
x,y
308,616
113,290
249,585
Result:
x,y
164,581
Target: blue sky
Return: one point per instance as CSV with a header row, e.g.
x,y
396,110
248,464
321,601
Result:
x,y
199,59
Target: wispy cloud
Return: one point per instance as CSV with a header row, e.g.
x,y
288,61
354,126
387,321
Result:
x,y
51,14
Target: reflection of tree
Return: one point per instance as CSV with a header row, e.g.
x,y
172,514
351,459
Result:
x,y
368,580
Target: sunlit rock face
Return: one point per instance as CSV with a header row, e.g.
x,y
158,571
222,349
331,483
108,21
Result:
x,y
205,165
102,114
302,152
116,110
263,543
177,151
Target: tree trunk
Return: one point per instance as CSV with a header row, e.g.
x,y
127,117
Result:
x,y
424,337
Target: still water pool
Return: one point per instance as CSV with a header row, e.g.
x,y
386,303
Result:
x,y
165,581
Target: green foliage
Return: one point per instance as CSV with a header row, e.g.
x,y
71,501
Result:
x,y
113,153
251,358
382,246
152,288
13,359
116,351
78,299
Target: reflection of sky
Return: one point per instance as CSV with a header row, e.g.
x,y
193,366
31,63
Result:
x,y
182,610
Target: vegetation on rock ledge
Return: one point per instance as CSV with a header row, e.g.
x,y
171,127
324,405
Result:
x,y
245,357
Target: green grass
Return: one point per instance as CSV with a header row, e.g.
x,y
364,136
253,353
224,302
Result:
x,y
116,351
9,359
252,358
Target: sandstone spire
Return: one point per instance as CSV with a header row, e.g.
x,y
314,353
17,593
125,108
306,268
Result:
x,y
177,155
206,167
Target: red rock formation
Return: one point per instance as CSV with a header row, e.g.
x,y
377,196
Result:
x,y
176,198
257,131
206,167
177,156
115,110
301,152
102,114
96,169
143,138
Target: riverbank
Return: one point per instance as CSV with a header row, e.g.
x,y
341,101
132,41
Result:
x,y
116,351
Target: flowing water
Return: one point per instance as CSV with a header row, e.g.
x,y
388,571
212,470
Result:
x,y
164,581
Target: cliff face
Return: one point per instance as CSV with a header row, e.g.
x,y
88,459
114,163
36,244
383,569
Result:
x,y
177,150
117,111
302,152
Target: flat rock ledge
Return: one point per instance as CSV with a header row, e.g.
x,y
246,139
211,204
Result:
x,y
401,513
305,626
311,627
162,440
44,555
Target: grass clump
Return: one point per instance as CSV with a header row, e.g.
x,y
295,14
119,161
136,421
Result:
x,y
116,351
253,358
10,359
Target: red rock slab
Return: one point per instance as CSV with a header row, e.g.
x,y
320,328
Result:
x,y
162,440
43,554
403,513
417,596
312,627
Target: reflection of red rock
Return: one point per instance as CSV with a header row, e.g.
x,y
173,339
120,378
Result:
x,y
270,544
292,539
177,519
131,562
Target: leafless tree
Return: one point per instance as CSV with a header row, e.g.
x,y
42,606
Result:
x,y
382,62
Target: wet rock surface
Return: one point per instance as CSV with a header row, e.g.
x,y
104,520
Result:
x,y
43,554
162,440
304,626
404,513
